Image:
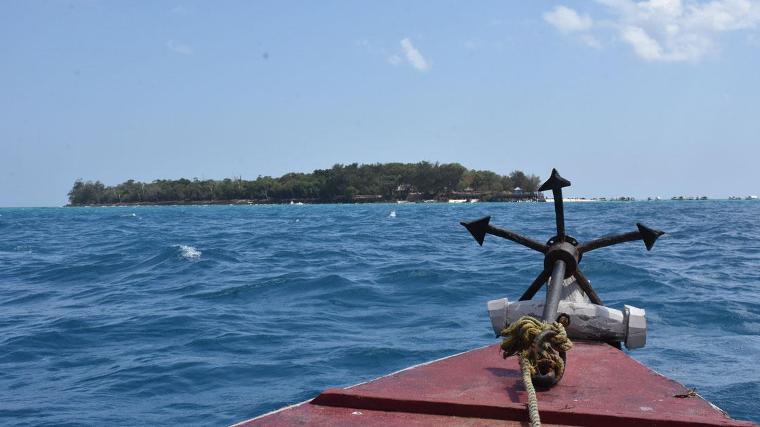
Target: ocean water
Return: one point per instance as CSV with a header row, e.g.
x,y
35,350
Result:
x,y
208,315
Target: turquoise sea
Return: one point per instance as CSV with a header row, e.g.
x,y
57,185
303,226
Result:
x,y
207,315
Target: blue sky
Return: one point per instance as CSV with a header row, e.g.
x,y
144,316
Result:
x,y
646,98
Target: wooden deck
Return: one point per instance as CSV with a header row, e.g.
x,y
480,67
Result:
x,y
601,387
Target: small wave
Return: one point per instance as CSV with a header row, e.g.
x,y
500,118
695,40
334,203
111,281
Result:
x,y
189,252
356,281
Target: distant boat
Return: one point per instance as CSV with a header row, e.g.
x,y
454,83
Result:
x,y
734,198
576,199
457,200
751,198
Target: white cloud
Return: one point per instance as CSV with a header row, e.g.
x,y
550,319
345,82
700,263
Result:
x,y
568,20
414,56
591,41
178,47
394,59
405,53
663,30
644,45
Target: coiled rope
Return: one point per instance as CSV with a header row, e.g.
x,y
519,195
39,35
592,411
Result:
x,y
536,356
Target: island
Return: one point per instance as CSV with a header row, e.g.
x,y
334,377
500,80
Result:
x,y
353,183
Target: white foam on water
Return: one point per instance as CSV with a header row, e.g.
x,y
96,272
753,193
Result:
x,y
189,252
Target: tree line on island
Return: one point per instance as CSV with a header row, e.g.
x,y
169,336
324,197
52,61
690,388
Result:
x,y
352,183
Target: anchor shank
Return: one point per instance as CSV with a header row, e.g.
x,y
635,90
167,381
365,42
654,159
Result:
x,y
554,291
517,238
559,212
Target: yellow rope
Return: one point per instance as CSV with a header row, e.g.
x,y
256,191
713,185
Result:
x,y
535,419
518,339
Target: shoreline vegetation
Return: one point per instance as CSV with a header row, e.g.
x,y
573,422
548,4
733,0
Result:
x,y
353,183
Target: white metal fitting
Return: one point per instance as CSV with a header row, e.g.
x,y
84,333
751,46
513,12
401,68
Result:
x,y
587,321
635,327
497,311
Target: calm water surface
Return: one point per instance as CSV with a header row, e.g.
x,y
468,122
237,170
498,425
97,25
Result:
x,y
211,315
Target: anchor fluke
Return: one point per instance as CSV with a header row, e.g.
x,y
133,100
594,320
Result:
x,y
478,228
555,182
649,235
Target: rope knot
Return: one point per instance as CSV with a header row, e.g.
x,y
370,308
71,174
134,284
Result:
x,y
542,344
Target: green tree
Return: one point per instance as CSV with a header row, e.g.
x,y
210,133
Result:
x,y
339,183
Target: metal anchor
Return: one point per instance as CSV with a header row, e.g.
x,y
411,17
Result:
x,y
562,253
